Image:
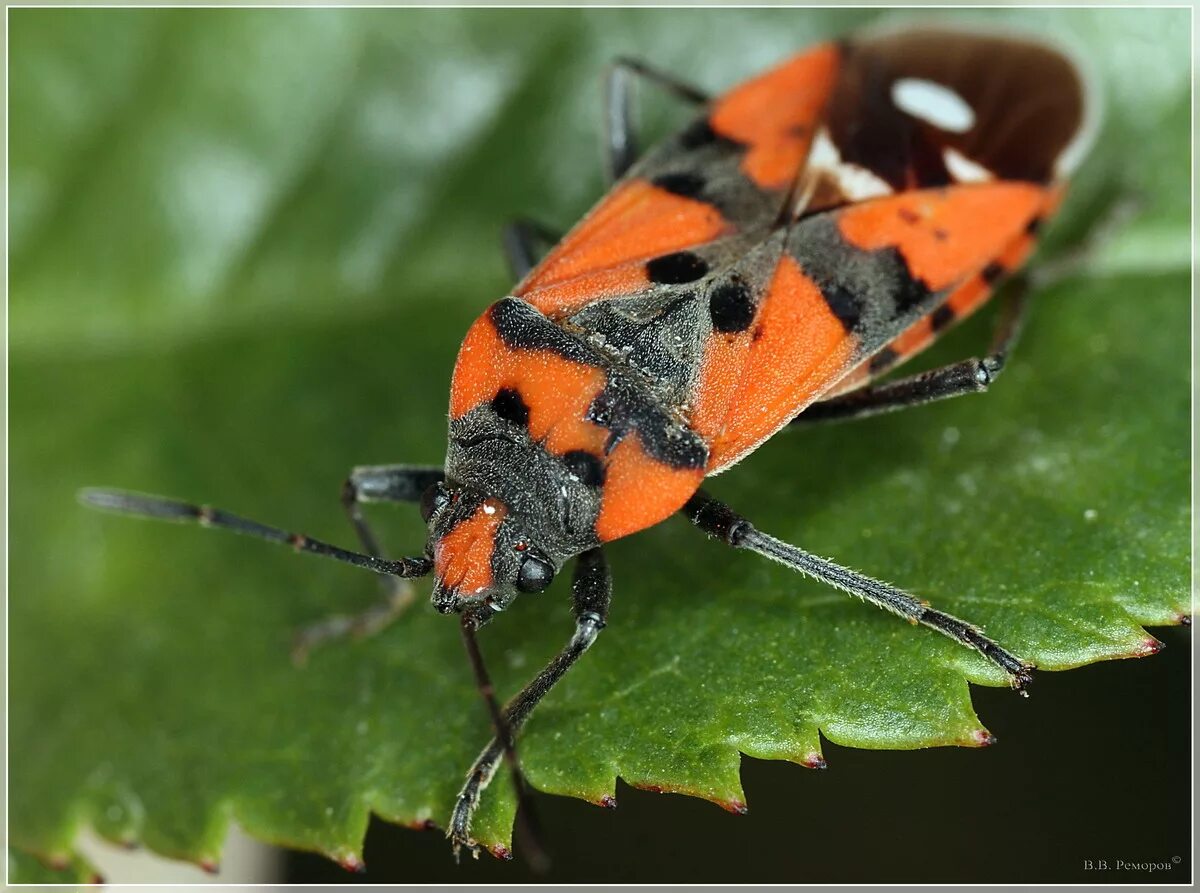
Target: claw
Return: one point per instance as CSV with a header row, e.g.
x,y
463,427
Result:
x,y
1020,680
459,842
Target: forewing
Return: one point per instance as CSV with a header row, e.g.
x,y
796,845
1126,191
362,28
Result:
x,y
845,205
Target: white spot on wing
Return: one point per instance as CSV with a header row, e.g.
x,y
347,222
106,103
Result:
x,y
963,169
933,103
859,184
823,154
854,182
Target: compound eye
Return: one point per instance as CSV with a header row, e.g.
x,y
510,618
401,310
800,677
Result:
x,y
535,574
433,499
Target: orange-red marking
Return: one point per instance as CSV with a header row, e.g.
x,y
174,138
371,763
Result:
x,y
775,113
564,298
964,301
638,221
639,491
1017,253
557,391
795,347
944,234
462,558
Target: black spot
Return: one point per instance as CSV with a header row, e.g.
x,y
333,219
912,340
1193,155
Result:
x,y
731,306
684,183
585,466
699,134
677,268
509,406
522,327
910,291
992,273
941,317
845,304
882,360
626,408
1034,225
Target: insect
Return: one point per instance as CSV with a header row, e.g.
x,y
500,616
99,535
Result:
x,y
804,234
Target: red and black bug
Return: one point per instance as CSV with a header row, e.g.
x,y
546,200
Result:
x,y
805,233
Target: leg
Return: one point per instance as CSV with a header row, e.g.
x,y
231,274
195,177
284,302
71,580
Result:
x,y
384,483
523,239
373,483
524,242
506,739
591,591
620,141
967,377
717,519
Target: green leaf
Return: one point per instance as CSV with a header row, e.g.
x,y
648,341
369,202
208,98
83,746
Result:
x,y
245,244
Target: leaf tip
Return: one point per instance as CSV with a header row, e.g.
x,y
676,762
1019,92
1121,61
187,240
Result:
x,y
501,852
607,802
96,879
1183,618
814,761
58,861
353,863
1148,646
737,807
982,738
209,865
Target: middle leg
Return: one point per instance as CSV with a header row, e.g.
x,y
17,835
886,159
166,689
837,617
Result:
x,y
524,241
621,141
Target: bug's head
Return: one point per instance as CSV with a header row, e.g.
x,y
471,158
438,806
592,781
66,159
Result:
x,y
481,558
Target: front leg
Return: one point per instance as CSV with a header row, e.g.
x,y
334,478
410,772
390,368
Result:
x,y
591,592
718,520
371,483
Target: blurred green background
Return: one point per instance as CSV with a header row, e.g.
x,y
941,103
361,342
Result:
x,y
244,246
